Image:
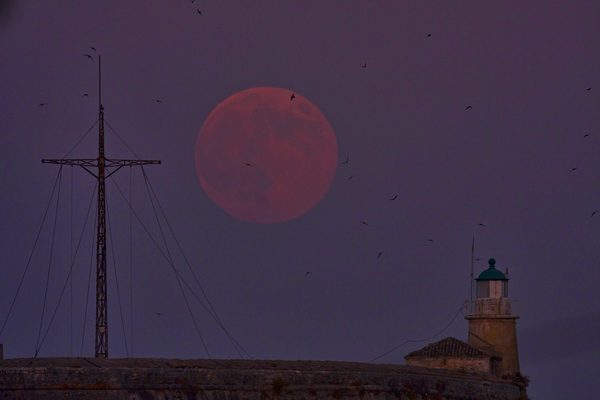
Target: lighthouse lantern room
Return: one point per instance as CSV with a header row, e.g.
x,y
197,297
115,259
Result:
x,y
492,284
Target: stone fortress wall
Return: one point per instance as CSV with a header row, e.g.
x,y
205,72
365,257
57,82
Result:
x,y
144,378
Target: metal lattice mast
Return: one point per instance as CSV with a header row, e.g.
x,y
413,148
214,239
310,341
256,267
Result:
x,y
101,348
103,165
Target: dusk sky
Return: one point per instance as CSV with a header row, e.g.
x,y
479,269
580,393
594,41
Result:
x,y
523,161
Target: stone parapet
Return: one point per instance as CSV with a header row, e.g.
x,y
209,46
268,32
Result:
x,y
128,379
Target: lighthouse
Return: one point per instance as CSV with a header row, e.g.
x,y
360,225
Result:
x,y
493,318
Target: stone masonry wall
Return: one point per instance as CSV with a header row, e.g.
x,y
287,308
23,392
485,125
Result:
x,y
238,380
500,332
453,363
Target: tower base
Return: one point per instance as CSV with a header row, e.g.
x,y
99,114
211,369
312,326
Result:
x,y
496,333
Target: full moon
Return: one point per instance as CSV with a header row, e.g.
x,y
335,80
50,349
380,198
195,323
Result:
x,y
264,156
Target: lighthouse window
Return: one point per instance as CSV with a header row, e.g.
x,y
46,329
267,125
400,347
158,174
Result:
x,y
505,289
483,289
495,289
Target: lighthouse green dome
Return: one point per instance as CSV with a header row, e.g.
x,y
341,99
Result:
x,y
492,274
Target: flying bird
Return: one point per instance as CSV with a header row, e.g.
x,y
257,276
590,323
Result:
x,y
573,169
199,12
364,223
248,164
480,224
379,255
346,162
588,89
478,259
468,107
593,213
158,101
393,198
429,35
85,95
429,240
586,135
88,56
93,48
158,313
365,66
307,274
42,104
293,96
351,177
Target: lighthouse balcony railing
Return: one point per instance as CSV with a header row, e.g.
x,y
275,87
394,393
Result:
x,y
501,306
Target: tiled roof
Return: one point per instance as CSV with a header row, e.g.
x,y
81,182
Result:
x,y
449,347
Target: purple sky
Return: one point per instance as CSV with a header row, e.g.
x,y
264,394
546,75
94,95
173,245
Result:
x,y
524,67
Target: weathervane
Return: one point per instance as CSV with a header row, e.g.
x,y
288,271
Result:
x,y
103,165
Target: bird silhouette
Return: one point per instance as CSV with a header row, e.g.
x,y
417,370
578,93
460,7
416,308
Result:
x,y
586,135
393,198
85,95
248,164
307,274
429,35
593,213
379,255
588,89
93,48
199,12
158,313
351,177
365,66
158,101
480,224
573,169
429,240
293,97
364,223
88,56
468,107
478,259
41,104
346,162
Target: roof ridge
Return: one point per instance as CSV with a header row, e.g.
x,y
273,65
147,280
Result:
x,y
450,347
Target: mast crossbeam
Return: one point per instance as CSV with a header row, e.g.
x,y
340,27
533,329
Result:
x,y
93,162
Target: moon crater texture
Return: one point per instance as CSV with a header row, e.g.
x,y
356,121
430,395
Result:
x,y
264,158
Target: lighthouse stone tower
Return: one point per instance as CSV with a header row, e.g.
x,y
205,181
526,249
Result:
x,y
493,318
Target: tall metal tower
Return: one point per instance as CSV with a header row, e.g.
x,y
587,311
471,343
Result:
x,y
103,165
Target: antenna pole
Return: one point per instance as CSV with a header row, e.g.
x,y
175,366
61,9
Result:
x,y
472,261
99,83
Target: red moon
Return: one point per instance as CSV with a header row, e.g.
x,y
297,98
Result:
x,y
265,157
